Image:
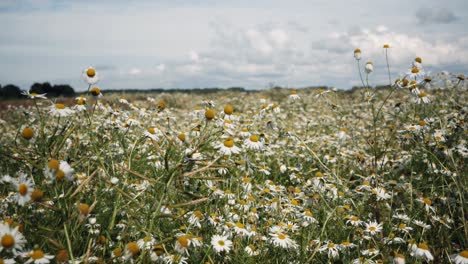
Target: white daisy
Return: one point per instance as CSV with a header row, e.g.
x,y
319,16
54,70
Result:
x,y
90,75
24,187
221,243
34,95
11,239
332,249
60,110
460,258
38,257
283,240
373,228
228,147
421,251
253,143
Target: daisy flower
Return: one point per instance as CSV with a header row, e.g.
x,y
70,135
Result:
x,y
152,133
357,54
221,243
7,261
175,259
373,228
381,194
96,93
24,186
34,95
253,143
421,251
11,239
354,221
27,133
131,249
251,250
60,110
280,239
90,75
228,147
422,98
460,258
38,257
398,258
293,96
369,67
332,249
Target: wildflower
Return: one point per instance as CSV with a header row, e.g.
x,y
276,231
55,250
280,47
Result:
x,y
422,97
373,228
131,249
354,221
175,259
7,261
27,133
38,257
152,133
80,104
59,170
228,109
293,96
381,194
283,240
209,114
90,75
369,67
415,73
182,243
362,260
417,63
404,228
60,110
24,187
96,93
370,252
221,243
228,147
332,249
421,251
251,250
253,143
321,93
34,95
357,54
460,258
421,224
386,46
398,258
11,239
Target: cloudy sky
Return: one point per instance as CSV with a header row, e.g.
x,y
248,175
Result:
x,y
215,43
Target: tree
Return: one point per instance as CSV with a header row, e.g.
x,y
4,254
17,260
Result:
x,y
10,91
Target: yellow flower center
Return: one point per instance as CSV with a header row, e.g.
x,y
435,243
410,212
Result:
x,y
239,225
221,243
422,94
228,109
117,252
357,51
414,70
23,189
53,164
37,254
461,77
418,59
253,138
372,228
422,123
229,143
27,133
402,226
183,241
133,248
423,246
181,137
331,245
386,46
346,243
60,106
151,130
354,218
60,175
209,114
95,91
159,250
464,253
161,105
80,101
427,201
37,194
294,92
91,72
83,208
244,129
282,236
8,241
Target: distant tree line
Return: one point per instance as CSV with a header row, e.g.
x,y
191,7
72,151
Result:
x,y
11,91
